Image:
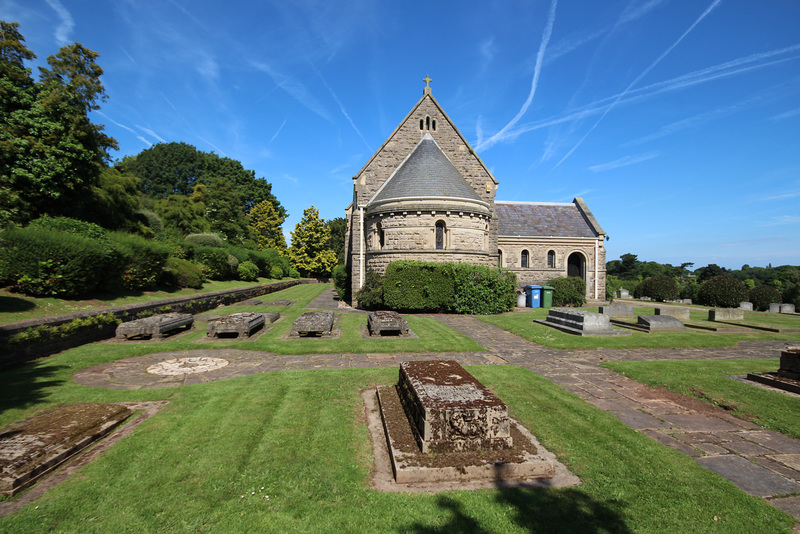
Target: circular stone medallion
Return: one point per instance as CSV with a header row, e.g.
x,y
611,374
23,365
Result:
x,y
186,366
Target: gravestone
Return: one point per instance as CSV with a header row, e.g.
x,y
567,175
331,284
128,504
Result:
x,y
790,363
624,293
617,310
674,311
318,323
746,306
154,327
386,323
449,410
238,324
787,308
660,323
580,322
774,307
35,447
725,314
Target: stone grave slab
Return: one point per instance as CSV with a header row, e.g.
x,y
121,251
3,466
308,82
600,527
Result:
x,y
580,322
752,478
386,323
155,327
788,376
37,446
450,410
236,324
674,311
251,302
279,303
726,314
318,323
617,310
661,323
746,306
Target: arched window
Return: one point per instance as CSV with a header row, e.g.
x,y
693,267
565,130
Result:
x,y
427,123
523,259
440,235
421,124
551,259
434,125
499,258
380,235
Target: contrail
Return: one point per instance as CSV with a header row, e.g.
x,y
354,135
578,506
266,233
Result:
x,y
636,80
548,30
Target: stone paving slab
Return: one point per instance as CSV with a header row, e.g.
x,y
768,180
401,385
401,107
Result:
x,y
753,479
639,420
697,422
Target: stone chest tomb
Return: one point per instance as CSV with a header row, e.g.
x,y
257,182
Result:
x,y
450,410
236,324
318,323
155,327
386,323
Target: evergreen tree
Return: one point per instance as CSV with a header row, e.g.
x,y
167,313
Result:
x,y
265,226
338,229
309,252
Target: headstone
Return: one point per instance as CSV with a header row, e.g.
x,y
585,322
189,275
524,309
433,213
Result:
x,y
449,410
318,323
617,310
790,363
386,323
661,323
774,307
746,306
624,293
238,324
674,311
154,327
581,322
725,314
787,308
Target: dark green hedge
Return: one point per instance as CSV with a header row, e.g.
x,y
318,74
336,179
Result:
x,y
762,296
183,273
569,291
659,288
143,261
722,291
483,290
419,286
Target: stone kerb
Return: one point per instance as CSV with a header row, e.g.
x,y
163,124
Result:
x,y
725,314
617,310
674,311
661,323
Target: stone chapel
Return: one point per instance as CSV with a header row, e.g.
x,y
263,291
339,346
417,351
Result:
x,y
426,195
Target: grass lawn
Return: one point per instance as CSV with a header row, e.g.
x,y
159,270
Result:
x,y
521,323
200,466
18,307
709,381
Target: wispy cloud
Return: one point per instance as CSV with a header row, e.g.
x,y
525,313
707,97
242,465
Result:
x,y
275,135
622,162
295,89
783,220
786,114
641,75
785,196
66,24
548,30
151,133
343,110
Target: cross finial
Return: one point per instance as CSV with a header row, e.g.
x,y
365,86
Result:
x,y
427,79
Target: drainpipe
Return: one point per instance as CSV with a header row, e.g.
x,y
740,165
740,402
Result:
x,y
361,249
596,269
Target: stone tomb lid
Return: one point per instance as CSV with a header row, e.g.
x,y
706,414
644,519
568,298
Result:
x,y
444,383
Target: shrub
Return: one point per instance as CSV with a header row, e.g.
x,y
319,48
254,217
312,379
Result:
x,y
294,273
233,266
215,260
205,240
762,296
143,261
689,289
483,290
370,296
659,288
418,286
183,273
341,281
44,262
613,284
722,291
570,291
72,226
276,272
248,271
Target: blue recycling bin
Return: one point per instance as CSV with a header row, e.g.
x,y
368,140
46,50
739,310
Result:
x,y
533,296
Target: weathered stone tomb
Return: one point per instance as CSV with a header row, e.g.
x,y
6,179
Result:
x,y
236,324
155,327
386,323
318,323
580,322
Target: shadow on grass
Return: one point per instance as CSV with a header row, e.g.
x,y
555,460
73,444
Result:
x,y
538,510
15,304
27,385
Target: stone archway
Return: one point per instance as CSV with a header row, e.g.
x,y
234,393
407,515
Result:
x,y
576,265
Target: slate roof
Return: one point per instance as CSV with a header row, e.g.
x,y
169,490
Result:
x,y
533,219
426,172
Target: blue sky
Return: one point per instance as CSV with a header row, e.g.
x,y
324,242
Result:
x,y
677,121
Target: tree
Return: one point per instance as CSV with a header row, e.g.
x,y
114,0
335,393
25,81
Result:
x,y
182,215
709,271
265,226
223,209
338,228
309,252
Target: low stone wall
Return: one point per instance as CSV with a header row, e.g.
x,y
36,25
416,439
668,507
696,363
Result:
x,y
12,354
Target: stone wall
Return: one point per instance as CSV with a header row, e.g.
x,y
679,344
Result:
x,y
12,354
